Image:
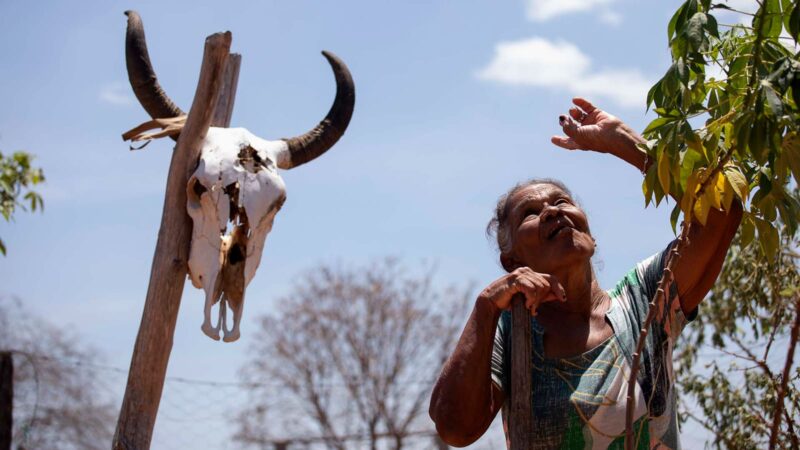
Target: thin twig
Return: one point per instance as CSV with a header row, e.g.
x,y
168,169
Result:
x,y
776,421
658,299
776,323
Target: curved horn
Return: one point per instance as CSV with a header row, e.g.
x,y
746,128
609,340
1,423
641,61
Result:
x,y
141,75
308,146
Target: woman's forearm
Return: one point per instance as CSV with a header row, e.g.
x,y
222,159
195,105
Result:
x,y
463,402
626,148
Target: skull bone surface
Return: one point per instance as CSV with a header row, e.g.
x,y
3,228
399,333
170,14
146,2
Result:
x,y
232,198
235,191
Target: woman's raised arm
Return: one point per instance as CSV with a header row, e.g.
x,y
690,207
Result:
x,y
590,128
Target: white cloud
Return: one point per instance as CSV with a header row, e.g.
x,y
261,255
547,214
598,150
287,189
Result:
x,y
543,10
538,62
117,93
609,17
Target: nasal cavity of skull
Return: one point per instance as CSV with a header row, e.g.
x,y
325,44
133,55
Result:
x,y
238,216
198,188
236,254
250,160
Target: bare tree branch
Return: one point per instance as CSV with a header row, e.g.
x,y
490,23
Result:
x,y
356,351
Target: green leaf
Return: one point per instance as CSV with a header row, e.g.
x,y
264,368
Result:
x,y
711,26
694,30
794,23
770,12
2,247
655,95
657,123
674,21
648,184
748,230
767,237
670,81
773,100
757,138
673,218
689,159
681,72
796,87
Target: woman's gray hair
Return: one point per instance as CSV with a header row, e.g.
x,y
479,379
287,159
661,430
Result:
x,y
498,226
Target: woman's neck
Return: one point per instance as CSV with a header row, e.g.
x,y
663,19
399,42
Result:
x,y
584,296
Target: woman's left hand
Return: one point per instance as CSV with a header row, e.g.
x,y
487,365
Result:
x,y
590,128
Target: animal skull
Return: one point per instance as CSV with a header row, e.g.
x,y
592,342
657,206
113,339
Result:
x,y
232,198
235,192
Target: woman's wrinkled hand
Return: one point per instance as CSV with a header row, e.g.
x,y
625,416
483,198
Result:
x,y
590,128
537,288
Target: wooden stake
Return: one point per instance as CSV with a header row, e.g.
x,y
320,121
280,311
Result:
x,y
223,111
520,414
6,399
168,273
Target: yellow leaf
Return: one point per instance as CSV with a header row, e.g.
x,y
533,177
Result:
x,y
712,194
791,151
688,196
727,193
701,208
663,171
738,182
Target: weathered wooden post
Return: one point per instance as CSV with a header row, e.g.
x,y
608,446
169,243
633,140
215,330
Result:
x,y
6,399
520,416
196,201
168,273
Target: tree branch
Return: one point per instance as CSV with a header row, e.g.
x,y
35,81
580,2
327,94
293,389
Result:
x,y
776,421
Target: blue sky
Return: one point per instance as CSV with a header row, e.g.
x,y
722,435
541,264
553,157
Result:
x,y
456,101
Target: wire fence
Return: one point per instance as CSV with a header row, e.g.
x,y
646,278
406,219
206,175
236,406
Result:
x,y
50,412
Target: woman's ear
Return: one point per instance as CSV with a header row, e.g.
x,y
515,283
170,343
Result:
x,y
509,263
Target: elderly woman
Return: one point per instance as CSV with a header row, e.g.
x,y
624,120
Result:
x,y
583,336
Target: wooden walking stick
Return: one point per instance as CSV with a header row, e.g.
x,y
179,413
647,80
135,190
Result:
x,y
520,414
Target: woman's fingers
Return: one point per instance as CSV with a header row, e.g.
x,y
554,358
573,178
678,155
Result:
x,y
536,287
539,288
584,104
556,287
568,125
577,114
565,142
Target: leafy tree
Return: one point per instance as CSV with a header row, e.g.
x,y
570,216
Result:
x,y
742,330
349,359
746,145
16,178
58,396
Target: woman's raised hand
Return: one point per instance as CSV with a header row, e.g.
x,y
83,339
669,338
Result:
x,y
537,288
590,128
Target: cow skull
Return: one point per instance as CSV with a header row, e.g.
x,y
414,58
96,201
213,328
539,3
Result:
x,y
235,192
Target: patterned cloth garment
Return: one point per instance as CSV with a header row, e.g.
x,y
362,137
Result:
x,y
579,402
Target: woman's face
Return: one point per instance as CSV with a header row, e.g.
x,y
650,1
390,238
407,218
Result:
x,y
548,230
